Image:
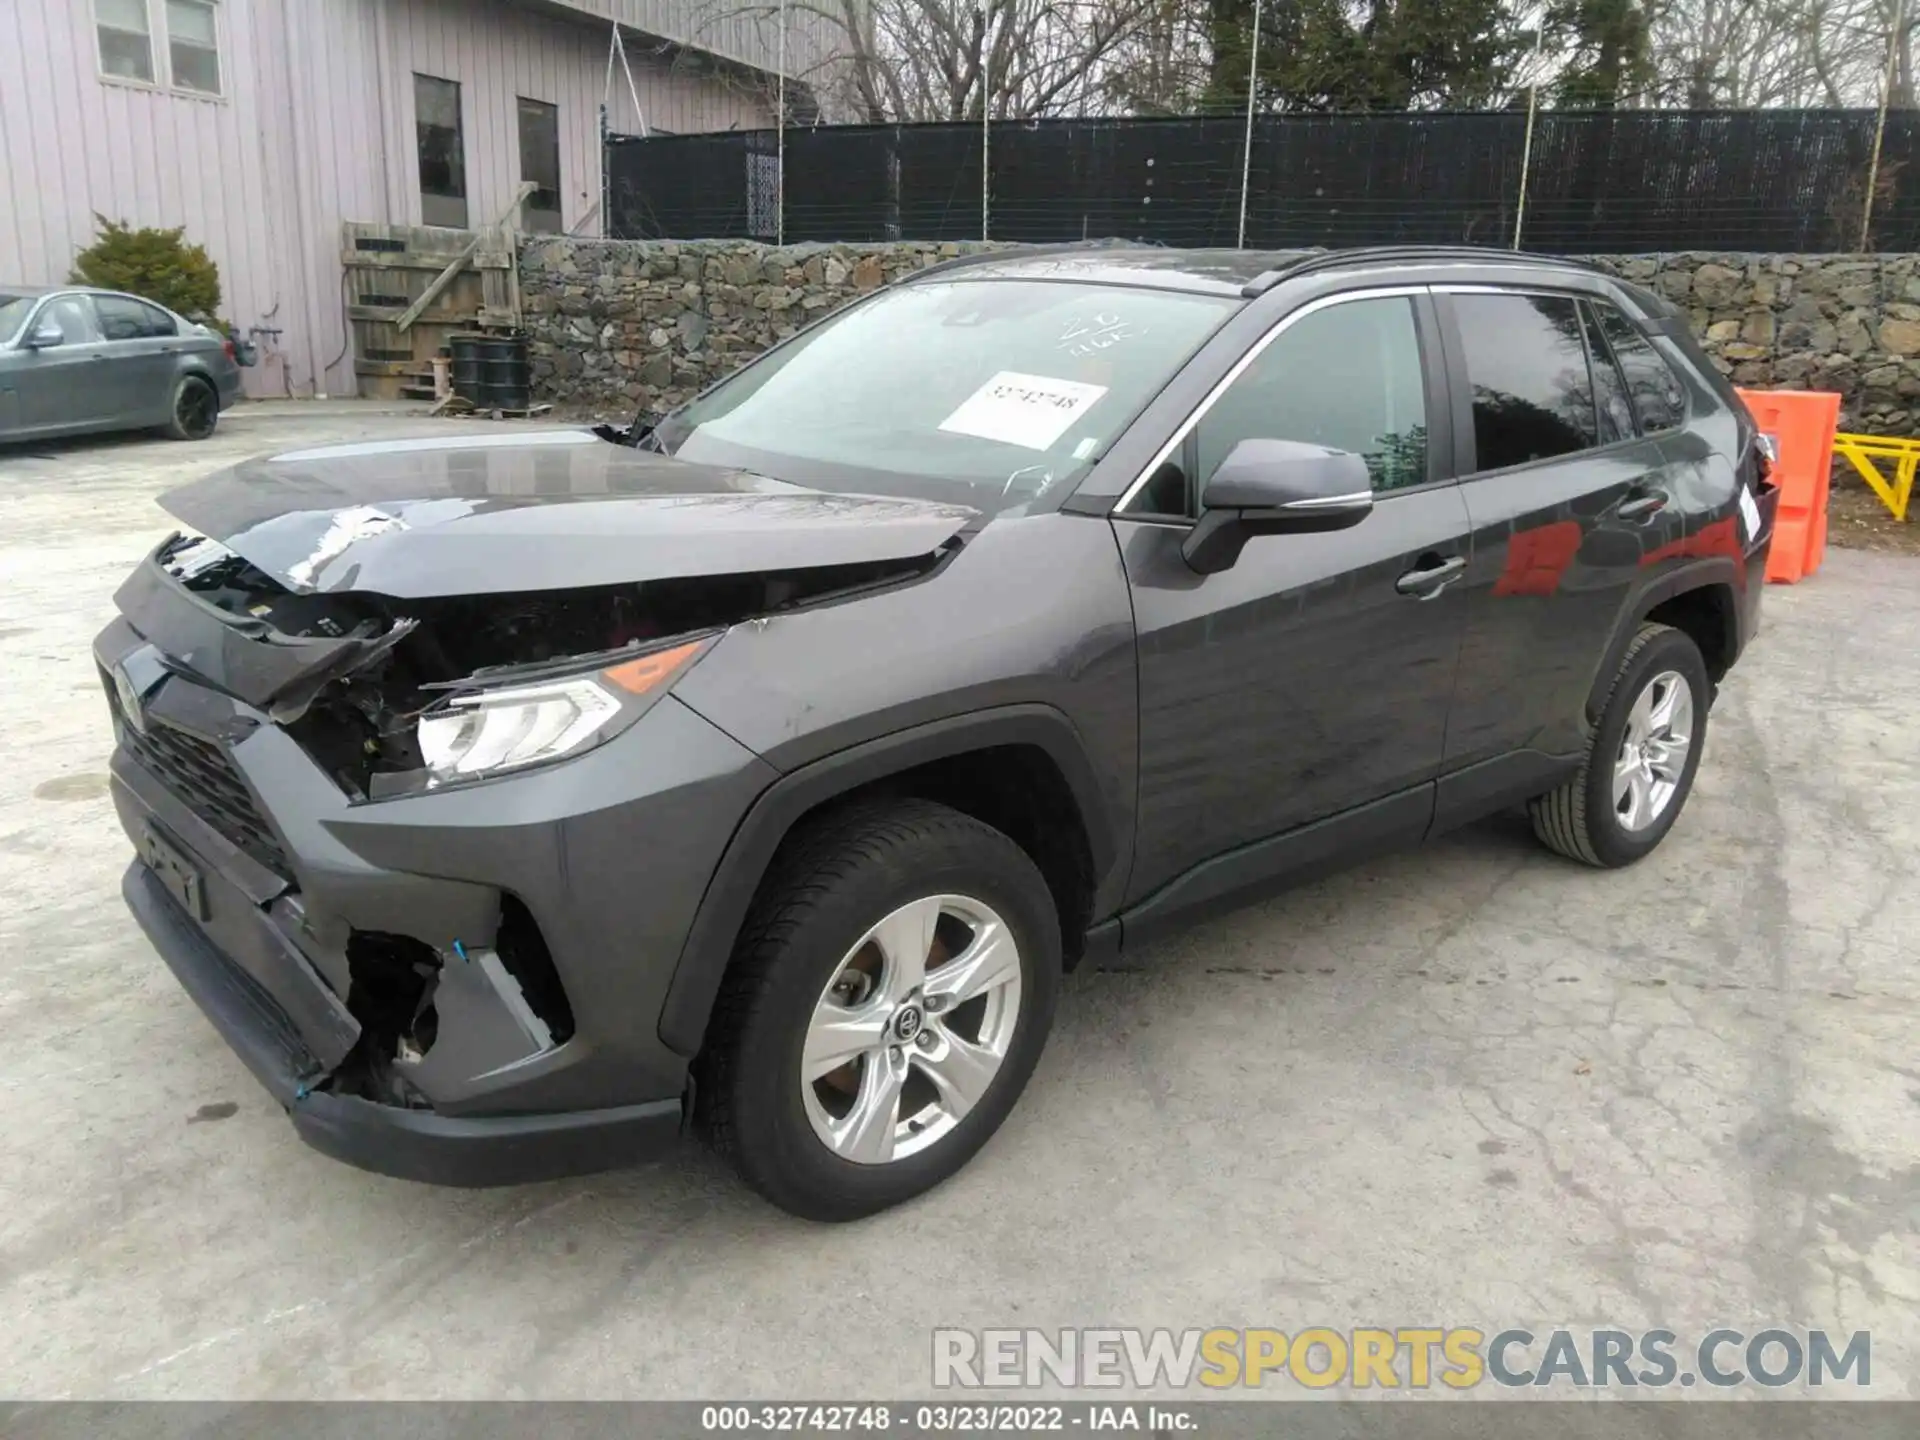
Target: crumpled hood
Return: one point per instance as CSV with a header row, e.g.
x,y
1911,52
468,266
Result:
x,y
544,510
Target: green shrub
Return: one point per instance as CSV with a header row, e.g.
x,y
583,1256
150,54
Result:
x,y
158,264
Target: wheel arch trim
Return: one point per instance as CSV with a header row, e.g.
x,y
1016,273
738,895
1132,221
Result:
x,y
1713,572
716,925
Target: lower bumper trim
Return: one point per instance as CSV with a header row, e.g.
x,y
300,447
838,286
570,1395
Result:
x,y
411,1144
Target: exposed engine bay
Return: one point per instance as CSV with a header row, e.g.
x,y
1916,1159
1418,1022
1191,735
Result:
x,y
362,726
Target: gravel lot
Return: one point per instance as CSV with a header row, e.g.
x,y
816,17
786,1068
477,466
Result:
x,y
1468,1085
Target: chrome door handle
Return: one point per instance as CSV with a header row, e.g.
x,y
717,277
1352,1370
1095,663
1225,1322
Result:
x,y
1428,582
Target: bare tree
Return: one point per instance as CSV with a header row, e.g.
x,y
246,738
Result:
x,y
1754,53
1163,68
904,60
909,60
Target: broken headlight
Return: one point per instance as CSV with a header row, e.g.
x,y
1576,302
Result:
x,y
484,732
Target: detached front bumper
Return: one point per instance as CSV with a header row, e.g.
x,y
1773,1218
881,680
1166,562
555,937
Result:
x,y
412,1144
262,885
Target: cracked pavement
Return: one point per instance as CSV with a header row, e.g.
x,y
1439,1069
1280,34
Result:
x,y
1472,1084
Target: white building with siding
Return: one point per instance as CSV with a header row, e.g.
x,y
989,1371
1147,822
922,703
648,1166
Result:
x,y
261,125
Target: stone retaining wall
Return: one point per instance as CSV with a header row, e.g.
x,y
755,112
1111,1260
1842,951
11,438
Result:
x,y
617,325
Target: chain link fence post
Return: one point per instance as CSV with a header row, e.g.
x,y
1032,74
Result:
x,y
1526,145
986,117
1880,124
1246,154
780,127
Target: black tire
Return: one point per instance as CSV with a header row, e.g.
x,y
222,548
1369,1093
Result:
x,y
196,409
1578,819
831,884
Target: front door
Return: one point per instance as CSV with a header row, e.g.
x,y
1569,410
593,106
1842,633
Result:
x,y
1567,499
1314,675
63,386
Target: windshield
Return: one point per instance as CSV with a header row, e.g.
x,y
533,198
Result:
x,y
13,314
977,392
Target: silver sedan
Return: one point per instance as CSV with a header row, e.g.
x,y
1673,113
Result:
x,y
77,359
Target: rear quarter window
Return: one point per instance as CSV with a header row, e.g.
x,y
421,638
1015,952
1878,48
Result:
x,y
1659,399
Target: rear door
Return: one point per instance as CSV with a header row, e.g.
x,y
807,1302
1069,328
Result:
x,y
1314,675
61,386
1566,496
142,346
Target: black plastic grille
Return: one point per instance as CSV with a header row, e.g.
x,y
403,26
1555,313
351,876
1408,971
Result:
x,y
203,779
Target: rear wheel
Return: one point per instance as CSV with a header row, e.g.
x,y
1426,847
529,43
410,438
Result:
x,y
196,409
1640,764
888,999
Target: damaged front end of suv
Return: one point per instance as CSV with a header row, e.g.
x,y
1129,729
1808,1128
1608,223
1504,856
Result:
x,y
343,704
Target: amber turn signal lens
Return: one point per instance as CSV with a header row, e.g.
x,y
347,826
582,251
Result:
x,y
639,676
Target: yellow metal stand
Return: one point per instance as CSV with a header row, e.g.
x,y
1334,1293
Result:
x,y
1864,450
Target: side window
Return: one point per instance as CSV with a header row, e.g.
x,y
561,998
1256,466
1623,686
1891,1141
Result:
x,y
1527,364
122,318
1658,396
159,322
1347,377
1609,390
73,316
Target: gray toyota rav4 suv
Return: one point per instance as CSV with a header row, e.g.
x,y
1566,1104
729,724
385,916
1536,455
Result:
x,y
512,803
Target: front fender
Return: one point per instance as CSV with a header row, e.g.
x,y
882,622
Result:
x,y
716,927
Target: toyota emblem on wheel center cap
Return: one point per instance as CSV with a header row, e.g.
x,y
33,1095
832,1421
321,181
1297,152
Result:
x,y
906,1022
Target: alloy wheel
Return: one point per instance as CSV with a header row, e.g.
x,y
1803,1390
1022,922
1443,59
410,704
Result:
x,y
1653,751
911,1030
195,410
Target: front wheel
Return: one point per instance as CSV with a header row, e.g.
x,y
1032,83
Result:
x,y
1641,761
196,409
889,996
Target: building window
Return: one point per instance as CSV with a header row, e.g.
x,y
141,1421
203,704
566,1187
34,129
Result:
x,y
193,46
540,163
126,43
443,161
190,41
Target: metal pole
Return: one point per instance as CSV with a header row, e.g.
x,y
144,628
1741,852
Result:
x,y
986,116
1526,148
606,183
1246,155
1880,125
780,120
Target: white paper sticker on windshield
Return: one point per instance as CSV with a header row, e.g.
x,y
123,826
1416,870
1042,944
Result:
x,y
1031,411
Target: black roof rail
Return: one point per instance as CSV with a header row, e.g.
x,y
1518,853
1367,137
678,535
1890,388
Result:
x,y
1374,254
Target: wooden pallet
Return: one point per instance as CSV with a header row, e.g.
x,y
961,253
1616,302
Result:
x,y
390,267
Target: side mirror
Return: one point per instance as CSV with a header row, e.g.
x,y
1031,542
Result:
x,y
1275,487
45,336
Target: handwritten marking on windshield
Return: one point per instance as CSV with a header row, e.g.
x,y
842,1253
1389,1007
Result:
x,y
1088,336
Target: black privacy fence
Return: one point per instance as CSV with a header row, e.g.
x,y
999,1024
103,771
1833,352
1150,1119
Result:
x,y
1590,183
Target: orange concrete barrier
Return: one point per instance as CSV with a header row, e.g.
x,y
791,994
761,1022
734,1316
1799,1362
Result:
x,y
1802,424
